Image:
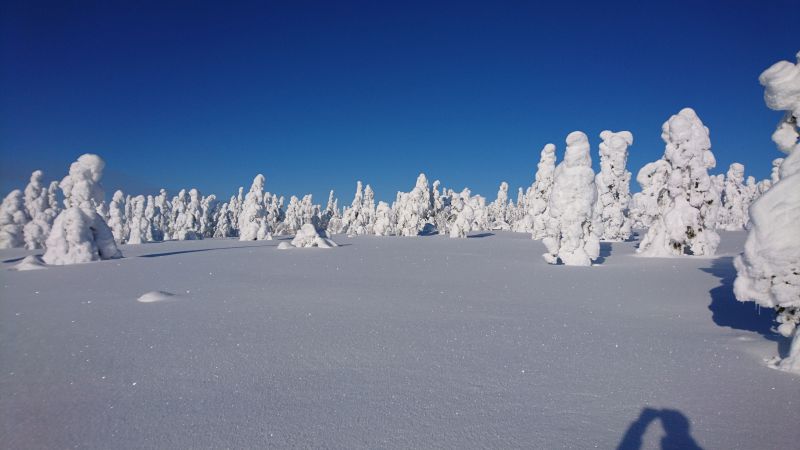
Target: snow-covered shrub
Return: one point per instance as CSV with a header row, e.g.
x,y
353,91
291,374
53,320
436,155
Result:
x,y
307,236
541,190
688,205
613,186
79,234
768,272
735,200
13,218
570,235
252,218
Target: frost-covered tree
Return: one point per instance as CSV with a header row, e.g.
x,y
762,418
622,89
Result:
x,y
13,218
384,223
138,223
498,209
294,216
368,210
613,186
768,272
252,217
688,205
116,218
464,215
645,204
186,211
308,236
224,226
735,200
79,234
208,206
414,209
570,235
40,211
540,193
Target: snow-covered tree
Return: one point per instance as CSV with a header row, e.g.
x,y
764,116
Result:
x,y
735,200
464,215
768,272
13,218
252,218
79,234
613,186
688,205
41,212
186,212
384,223
645,204
208,206
498,209
116,218
354,219
308,236
294,216
541,190
414,209
138,223
570,235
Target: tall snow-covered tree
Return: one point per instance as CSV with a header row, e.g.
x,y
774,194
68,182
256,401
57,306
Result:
x,y
571,237
613,186
79,234
116,218
541,191
768,272
13,218
688,205
384,223
498,209
414,209
252,217
138,223
735,200
41,212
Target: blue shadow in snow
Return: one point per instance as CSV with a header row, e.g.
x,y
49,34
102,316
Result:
x,y
677,430
726,311
480,235
178,252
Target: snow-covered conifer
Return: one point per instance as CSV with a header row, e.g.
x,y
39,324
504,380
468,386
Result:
x,y
384,224
414,209
570,235
645,204
138,223
116,218
79,234
353,219
498,209
733,214
688,205
540,193
308,236
252,217
613,186
13,218
768,272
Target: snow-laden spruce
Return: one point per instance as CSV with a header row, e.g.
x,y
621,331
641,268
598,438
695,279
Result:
x,y
498,209
613,186
252,219
384,221
570,234
40,211
79,234
414,210
688,205
464,221
13,218
138,223
645,204
768,272
541,189
735,200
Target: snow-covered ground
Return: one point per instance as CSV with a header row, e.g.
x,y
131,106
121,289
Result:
x,y
387,342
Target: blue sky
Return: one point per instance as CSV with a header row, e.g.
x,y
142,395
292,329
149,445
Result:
x,y
316,95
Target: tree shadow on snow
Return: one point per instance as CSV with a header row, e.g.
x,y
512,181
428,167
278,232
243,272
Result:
x,y
676,427
13,260
480,235
178,252
726,311
605,252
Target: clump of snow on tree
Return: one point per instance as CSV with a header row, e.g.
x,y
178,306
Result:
x,y
308,236
768,272
735,201
570,234
79,234
252,219
686,209
13,218
541,189
613,186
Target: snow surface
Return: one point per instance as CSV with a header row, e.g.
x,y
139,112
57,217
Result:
x,y
388,343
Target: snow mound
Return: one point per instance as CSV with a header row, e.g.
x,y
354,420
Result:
x,y
307,237
31,262
156,296
285,245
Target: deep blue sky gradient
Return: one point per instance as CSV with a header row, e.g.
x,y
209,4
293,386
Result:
x,y
316,95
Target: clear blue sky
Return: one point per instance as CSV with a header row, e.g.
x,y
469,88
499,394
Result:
x,y
316,95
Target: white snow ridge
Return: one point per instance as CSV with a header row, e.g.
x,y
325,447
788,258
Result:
x,y
155,296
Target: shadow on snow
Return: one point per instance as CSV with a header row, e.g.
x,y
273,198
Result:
x,y
676,426
726,311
